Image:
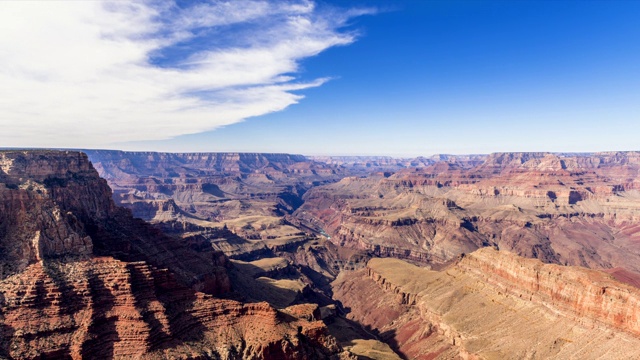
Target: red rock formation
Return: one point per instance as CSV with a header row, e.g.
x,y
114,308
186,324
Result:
x,y
560,208
105,308
81,278
494,304
54,204
581,294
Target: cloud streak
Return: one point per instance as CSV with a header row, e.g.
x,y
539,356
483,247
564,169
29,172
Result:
x,y
91,74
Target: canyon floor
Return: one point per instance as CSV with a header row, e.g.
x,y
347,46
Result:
x,y
271,256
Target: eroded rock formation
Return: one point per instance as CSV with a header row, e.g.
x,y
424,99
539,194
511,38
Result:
x,y
291,225
81,278
494,305
566,209
209,186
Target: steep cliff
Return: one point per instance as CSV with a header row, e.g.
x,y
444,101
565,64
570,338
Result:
x,y
81,278
494,305
54,204
104,308
581,294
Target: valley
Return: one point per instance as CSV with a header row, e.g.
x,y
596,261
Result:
x,y
160,255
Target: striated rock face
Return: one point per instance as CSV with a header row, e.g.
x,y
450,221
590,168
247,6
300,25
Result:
x,y
115,163
575,209
81,278
209,186
43,198
386,163
54,205
581,294
386,314
492,305
105,308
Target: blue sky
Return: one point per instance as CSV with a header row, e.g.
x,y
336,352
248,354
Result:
x,y
401,78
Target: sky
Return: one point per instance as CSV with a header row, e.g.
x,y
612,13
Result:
x,y
387,77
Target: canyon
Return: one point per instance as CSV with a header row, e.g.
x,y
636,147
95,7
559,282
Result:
x,y
119,254
571,209
82,278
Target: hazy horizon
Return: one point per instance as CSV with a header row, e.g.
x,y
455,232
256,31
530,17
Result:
x,y
585,153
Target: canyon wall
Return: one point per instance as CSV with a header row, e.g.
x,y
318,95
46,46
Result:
x,y
494,305
580,294
196,187
81,278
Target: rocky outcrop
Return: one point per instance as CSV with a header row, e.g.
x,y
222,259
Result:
x,y
403,298
389,313
43,199
54,205
105,308
581,294
81,278
493,304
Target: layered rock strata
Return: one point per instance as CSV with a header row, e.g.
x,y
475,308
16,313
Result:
x,y
81,278
209,186
494,305
104,308
576,209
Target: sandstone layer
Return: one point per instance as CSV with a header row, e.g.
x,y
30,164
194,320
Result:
x,y
81,278
494,305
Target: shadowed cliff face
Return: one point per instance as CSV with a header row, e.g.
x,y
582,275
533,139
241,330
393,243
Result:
x,y
239,204
566,209
81,278
44,197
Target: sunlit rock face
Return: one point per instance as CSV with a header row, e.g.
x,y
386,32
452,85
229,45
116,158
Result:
x,y
560,208
494,305
81,278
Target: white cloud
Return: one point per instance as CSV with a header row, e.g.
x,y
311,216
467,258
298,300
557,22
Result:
x,y
81,73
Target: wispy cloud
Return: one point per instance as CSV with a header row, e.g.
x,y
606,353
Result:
x,y
90,73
